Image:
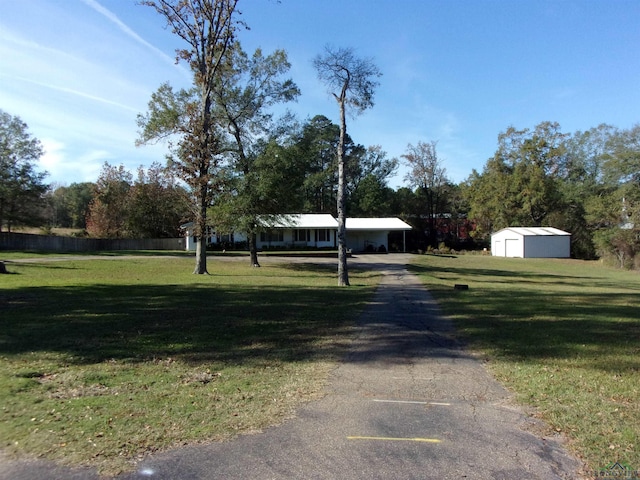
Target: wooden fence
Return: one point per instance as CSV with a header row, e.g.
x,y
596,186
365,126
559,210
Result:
x,y
52,243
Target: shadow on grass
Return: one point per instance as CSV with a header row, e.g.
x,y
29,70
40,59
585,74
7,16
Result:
x,y
314,269
204,324
194,323
51,265
561,319
142,253
506,276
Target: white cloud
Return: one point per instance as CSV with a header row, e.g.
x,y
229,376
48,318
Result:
x,y
66,166
53,154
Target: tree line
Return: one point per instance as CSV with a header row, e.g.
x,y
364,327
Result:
x,y
587,183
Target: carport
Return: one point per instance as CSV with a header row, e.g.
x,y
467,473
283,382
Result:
x,y
370,234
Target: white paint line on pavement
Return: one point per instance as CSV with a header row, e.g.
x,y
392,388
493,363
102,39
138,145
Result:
x,y
443,404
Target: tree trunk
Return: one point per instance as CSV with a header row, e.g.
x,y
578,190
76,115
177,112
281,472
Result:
x,y
201,233
253,249
343,274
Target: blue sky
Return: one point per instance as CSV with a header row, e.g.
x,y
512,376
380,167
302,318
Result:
x,y
458,72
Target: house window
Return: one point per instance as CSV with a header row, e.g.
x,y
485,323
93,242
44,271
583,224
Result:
x,y
301,235
324,235
272,236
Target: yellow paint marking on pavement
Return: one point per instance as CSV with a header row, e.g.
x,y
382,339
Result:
x,y
393,439
429,379
412,402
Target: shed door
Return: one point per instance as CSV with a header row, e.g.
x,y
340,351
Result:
x,y
513,247
498,249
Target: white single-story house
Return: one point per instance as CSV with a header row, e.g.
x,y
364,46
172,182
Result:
x,y
298,231
531,242
312,231
191,239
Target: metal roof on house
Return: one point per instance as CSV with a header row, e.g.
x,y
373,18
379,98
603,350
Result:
x,y
325,220
301,220
534,231
389,223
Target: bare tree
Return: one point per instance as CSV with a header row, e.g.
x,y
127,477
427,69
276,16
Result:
x,y
351,81
208,29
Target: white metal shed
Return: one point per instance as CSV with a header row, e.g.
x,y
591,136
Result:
x,y
531,242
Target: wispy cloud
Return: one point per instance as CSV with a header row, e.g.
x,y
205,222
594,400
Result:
x,y
127,30
77,93
16,44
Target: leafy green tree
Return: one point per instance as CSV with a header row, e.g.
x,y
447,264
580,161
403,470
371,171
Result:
x,y
242,101
276,176
109,209
71,205
352,82
371,198
367,163
78,199
476,192
622,163
152,206
56,209
208,28
617,209
428,177
281,170
535,159
521,184
157,204
457,225
621,171
317,145
403,203
622,244
22,188
583,190
599,185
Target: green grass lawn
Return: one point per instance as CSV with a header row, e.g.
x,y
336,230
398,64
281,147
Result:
x,y
564,335
105,360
